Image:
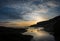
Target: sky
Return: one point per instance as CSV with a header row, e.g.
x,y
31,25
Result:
x,y
16,13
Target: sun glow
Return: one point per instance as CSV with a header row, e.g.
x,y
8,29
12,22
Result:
x,y
20,24
35,32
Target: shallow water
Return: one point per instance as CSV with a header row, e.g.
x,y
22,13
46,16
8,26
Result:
x,y
39,35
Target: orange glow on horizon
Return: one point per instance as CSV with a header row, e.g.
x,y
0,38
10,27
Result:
x,y
21,24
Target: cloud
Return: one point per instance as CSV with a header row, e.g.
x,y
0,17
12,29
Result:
x,y
52,4
35,15
8,13
28,10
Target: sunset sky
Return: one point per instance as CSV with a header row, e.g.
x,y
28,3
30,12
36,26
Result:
x,y
27,12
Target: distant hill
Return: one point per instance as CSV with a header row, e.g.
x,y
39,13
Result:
x,y
48,25
12,34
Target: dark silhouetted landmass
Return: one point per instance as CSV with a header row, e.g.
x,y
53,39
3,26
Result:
x,y
48,25
57,30
12,34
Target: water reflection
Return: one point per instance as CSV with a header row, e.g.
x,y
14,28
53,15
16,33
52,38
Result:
x,y
39,34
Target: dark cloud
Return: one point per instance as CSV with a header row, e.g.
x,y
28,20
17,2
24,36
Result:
x,y
9,13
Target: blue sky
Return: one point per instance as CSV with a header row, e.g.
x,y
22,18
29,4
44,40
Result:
x,y
28,10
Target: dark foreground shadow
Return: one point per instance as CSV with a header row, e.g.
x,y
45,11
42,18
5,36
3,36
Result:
x,y
57,30
11,34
